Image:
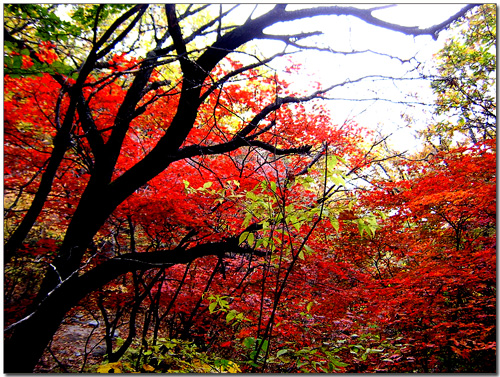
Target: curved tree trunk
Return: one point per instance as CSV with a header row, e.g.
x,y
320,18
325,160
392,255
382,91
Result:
x,y
25,345
61,143
59,292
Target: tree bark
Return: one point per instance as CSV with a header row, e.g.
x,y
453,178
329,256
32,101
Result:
x,y
25,346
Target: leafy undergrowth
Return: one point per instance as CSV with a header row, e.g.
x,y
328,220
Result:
x,y
168,356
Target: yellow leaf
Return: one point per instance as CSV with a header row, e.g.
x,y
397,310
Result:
x,y
201,367
110,368
148,368
233,368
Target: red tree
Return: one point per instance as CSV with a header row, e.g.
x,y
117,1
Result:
x,y
127,163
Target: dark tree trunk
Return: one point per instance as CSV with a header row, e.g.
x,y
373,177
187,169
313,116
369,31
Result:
x,y
25,346
61,143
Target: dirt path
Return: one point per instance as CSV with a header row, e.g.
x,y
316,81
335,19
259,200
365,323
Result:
x,y
78,342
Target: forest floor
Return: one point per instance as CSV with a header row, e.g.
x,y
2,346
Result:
x,y
77,346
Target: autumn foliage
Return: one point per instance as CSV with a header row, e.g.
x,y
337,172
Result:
x,y
312,271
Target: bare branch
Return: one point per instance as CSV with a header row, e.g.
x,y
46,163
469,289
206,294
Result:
x,y
236,72
176,33
138,8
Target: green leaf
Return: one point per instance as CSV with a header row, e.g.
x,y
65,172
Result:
x,y
301,254
250,195
265,344
231,315
309,306
17,61
338,180
261,242
246,221
9,46
338,363
332,160
295,222
302,363
249,342
363,227
308,249
335,223
250,239
282,352
243,237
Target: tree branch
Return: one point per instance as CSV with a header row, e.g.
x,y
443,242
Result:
x,y
120,20
94,138
435,30
236,72
176,34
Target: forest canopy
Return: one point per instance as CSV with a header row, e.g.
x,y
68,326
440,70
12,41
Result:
x,y
173,203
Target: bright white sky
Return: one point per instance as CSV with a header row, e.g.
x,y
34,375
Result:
x,y
347,34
